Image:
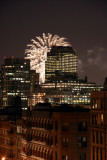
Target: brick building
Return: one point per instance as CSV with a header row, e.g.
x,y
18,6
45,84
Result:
x,y
62,132
98,128
56,133
37,142
71,137
7,140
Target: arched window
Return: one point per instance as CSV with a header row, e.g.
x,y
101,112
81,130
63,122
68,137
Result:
x,y
33,152
41,155
38,152
41,123
44,153
33,135
36,123
44,137
44,123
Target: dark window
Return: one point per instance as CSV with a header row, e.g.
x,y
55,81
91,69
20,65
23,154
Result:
x,y
101,138
64,157
101,104
92,119
83,156
97,154
56,125
82,126
65,126
82,141
93,137
56,140
56,156
97,138
65,141
93,153
96,118
101,154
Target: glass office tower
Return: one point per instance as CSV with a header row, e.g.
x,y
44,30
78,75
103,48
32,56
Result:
x,y
60,61
15,81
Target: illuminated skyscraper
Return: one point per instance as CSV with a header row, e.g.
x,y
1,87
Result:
x,y
60,61
15,81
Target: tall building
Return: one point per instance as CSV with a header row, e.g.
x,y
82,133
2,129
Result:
x,y
15,81
60,61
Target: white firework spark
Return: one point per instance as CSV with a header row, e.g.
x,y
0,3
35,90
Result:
x,y
37,52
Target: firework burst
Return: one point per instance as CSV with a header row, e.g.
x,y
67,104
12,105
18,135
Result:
x,y
37,52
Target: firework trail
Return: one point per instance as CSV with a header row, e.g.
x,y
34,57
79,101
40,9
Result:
x,y
37,52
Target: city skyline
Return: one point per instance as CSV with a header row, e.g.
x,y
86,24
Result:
x,y
58,112
82,23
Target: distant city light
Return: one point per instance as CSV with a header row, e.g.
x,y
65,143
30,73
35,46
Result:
x,y
37,52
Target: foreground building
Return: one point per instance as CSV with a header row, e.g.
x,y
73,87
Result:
x,y
7,140
56,133
10,133
37,142
98,128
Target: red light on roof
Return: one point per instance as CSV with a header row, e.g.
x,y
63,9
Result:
x,y
12,56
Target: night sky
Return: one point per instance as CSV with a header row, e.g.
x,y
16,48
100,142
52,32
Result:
x,y
82,22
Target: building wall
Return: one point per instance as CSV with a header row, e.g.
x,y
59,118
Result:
x,y
61,60
56,135
37,136
7,140
15,80
71,136
98,120
71,92
18,138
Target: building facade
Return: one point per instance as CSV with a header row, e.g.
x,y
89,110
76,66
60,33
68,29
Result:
x,y
16,81
60,60
71,92
7,140
37,141
56,133
62,132
98,128
71,138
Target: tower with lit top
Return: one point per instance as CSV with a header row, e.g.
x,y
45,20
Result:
x,y
61,61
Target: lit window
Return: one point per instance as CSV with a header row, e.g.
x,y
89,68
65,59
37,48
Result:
x,y
82,141
102,118
65,141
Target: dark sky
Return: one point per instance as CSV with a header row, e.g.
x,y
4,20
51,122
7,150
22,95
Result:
x,y
83,22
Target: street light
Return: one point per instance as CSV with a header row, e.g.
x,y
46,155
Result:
x,y
3,158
